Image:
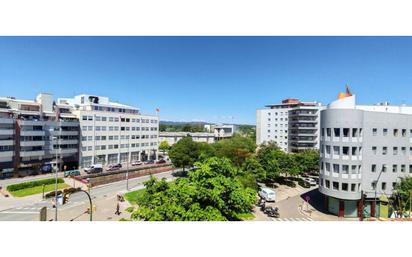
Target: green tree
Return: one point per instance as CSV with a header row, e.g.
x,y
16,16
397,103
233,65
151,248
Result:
x,y
164,146
309,160
184,153
252,166
402,193
272,158
212,192
237,149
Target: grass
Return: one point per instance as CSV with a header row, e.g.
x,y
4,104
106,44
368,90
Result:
x,y
131,197
37,190
245,216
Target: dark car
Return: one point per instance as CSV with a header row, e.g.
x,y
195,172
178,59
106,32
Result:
x,y
160,161
150,162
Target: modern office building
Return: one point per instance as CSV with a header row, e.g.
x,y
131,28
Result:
x,y
364,151
224,131
33,132
112,132
293,125
173,137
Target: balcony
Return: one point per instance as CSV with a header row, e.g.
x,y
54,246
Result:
x,y
64,151
32,133
32,123
65,133
6,132
32,143
6,142
67,141
7,154
32,153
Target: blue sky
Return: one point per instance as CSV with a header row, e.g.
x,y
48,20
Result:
x,y
215,79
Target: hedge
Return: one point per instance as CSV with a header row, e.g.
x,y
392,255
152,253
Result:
x,y
31,184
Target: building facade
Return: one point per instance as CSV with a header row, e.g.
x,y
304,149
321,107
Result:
x,y
364,151
35,135
173,137
113,133
293,125
224,131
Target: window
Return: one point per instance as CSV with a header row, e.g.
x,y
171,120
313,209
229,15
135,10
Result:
x,y
327,183
374,149
410,168
90,118
328,149
345,187
385,132
395,132
323,132
403,132
345,150
327,166
354,149
383,185
394,168
336,150
336,168
354,132
395,150
373,184
373,168
335,185
328,132
84,117
403,149
403,168
345,169
353,187
393,185
346,132
384,168
385,150
374,131
354,169
336,132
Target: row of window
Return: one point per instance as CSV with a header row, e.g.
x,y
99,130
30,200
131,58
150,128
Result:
x,y
345,132
338,168
116,146
395,150
341,186
123,137
345,150
116,119
280,125
395,132
112,109
276,119
114,128
278,113
281,131
395,168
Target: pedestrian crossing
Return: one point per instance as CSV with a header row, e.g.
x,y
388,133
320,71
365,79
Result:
x,y
292,219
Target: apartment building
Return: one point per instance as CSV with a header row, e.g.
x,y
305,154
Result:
x,y
173,137
293,125
112,132
364,151
33,132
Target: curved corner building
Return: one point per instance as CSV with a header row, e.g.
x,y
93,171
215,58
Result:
x,y
364,150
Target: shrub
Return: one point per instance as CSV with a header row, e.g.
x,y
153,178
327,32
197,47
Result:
x,y
129,209
71,190
304,184
51,194
31,184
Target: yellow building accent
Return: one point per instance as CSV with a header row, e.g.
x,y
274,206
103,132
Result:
x,y
346,94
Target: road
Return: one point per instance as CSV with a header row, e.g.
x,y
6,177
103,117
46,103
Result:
x,y
31,212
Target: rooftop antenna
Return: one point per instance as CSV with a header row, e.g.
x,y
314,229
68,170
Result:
x,y
348,90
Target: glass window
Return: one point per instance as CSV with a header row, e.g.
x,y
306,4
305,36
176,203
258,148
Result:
x,y
374,150
345,187
385,132
385,150
373,184
403,132
327,183
403,149
335,185
353,187
336,132
395,151
383,185
346,132
345,150
354,169
336,168
327,166
403,168
328,149
374,131
345,169
354,132
336,150
384,168
394,168
373,168
395,132
354,150
328,132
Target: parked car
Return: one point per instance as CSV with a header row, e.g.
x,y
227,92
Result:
x,y
113,167
150,162
161,161
267,194
137,163
96,168
310,181
70,173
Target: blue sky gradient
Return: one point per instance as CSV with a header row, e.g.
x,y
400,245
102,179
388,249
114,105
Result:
x,y
215,79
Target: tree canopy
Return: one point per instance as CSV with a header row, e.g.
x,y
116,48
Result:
x,y
185,153
212,192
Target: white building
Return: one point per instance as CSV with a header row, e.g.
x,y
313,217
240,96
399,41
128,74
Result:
x,y
293,125
225,131
173,137
112,132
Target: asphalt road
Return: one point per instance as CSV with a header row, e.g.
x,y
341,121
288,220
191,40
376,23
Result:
x,y
31,212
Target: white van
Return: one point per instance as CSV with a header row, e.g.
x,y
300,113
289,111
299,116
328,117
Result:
x,y
96,168
267,194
